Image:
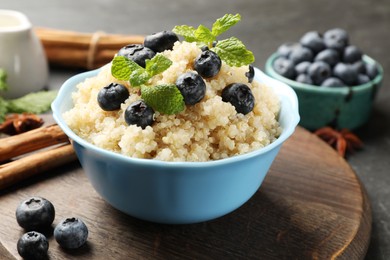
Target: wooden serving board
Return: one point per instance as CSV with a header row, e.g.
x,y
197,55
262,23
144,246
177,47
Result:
x,y
310,206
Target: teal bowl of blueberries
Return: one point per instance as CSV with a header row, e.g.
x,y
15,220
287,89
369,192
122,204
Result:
x,y
336,83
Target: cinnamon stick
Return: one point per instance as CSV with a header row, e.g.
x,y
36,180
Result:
x,y
33,140
82,50
18,170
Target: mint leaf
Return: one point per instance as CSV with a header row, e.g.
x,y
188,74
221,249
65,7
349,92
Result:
x,y
224,23
188,32
3,109
234,52
203,34
138,77
158,64
35,102
121,68
3,79
166,99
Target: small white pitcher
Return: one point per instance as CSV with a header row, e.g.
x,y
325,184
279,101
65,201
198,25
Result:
x,y
21,55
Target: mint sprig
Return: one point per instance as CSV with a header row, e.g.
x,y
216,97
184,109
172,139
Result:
x,y
3,79
231,50
123,68
166,99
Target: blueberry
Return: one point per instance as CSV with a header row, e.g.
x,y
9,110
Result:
x,y
363,79
140,114
250,74
71,233
284,67
192,87
346,73
332,82
359,66
352,54
35,213
112,96
207,64
137,53
285,49
240,96
336,39
313,40
319,71
33,245
300,54
371,70
330,56
301,68
161,41
304,78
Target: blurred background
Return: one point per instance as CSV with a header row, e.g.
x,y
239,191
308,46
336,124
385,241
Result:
x,y
265,25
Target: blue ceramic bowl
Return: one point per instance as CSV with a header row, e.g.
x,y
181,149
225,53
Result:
x,y
176,192
342,107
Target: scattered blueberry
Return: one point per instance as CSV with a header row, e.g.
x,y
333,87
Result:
x,y
207,64
161,41
71,233
301,68
204,48
332,82
362,79
250,74
140,114
33,245
300,54
352,54
285,49
336,39
192,87
330,56
240,96
112,96
137,53
319,71
284,67
371,70
35,213
346,73
313,40
304,78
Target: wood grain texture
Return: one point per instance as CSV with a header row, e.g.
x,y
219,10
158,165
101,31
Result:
x,y
310,206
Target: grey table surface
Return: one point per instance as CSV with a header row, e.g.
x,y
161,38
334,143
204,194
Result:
x,y
265,25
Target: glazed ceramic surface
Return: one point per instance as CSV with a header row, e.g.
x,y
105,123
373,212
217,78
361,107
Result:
x,y
177,192
343,107
21,55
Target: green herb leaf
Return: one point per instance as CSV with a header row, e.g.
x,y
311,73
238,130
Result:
x,y
35,102
203,34
224,23
121,68
188,32
3,79
166,99
158,64
138,77
3,109
234,52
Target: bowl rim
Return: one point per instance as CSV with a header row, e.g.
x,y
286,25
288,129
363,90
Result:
x,y
313,88
70,84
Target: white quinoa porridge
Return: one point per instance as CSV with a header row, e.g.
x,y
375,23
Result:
x,y
208,130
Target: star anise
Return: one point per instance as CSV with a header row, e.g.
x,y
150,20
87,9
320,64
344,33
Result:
x,y
20,123
342,140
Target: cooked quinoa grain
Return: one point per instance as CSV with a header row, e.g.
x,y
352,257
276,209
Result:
x,y
208,130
